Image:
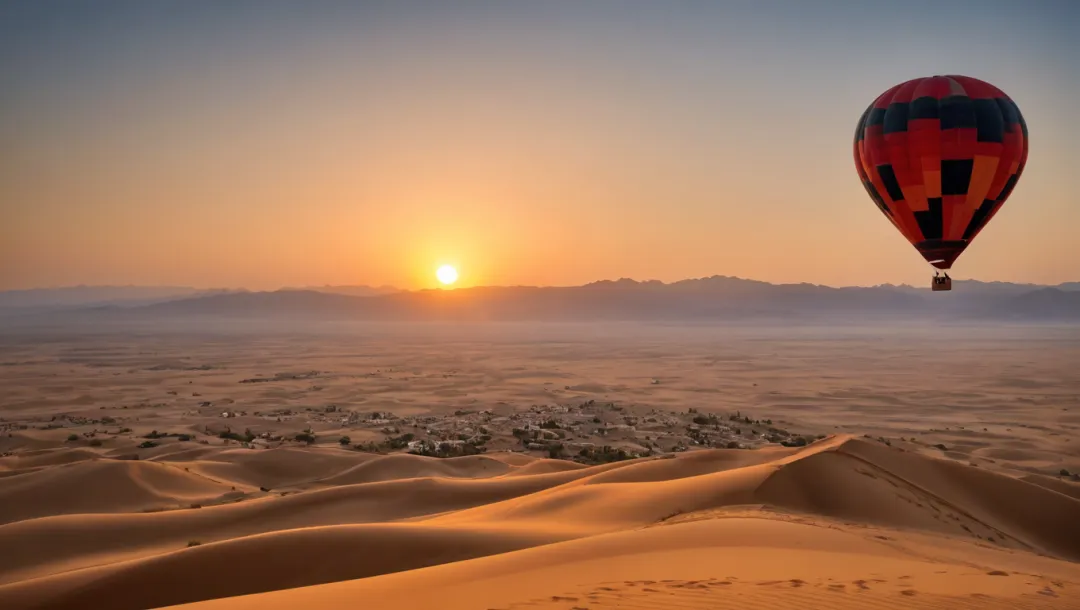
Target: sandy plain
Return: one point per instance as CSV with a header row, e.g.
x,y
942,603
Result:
x,y
939,472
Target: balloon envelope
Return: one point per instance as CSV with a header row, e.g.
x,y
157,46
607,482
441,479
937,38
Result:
x,y
939,156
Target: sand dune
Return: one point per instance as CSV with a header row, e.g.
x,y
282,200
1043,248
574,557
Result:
x,y
865,480
1059,485
725,562
278,560
34,443
273,468
30,460
101,486
88,538
544,467
398,466
826,498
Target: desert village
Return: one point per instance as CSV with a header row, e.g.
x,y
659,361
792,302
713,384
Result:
x,y
589,432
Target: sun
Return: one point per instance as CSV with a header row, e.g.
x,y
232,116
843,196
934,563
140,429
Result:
x,y
446,274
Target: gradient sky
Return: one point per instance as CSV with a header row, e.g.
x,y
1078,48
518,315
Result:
x,y
261,143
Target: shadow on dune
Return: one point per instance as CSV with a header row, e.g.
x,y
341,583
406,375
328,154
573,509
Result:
x,y
275,561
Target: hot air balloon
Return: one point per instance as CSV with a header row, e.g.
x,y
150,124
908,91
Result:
x,y
939,156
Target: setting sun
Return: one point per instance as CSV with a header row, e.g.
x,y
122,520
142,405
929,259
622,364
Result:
x,y
447,274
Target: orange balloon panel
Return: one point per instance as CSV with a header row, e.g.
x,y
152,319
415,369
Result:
x,y
939,156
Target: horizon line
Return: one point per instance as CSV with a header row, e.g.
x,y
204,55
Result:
x,y
389,287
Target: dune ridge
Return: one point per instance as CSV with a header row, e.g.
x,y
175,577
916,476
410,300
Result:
x,y
101,486
384,526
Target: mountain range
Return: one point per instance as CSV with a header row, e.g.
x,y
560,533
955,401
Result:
x,y
712,298
75,297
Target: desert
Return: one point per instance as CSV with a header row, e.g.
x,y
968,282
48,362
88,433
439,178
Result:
x,y
540,465
473,305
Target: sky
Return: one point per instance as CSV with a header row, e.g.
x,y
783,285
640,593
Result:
x,y
262,143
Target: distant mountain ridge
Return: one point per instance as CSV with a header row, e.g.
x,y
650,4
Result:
x,y
702,299
130,296
356,291
90,296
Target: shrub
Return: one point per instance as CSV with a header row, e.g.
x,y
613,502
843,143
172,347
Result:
x,y
147,444
604,455
246,437
1064,472
706,420
305,437
555,451
72,438
344,441
96,442
192,543
183,437
446,450
400,442
672,514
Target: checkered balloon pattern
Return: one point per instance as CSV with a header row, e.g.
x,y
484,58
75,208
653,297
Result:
x,y
939,156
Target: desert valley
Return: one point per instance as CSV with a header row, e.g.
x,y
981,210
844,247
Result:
x,y
248,463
